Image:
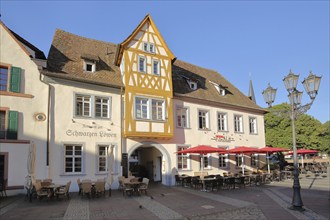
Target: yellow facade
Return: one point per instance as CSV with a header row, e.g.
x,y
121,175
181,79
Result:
x,y
146,66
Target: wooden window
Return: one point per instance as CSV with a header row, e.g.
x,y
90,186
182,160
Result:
x,y
155,67
157,109
8,125
83,105
182,117
102,106
102,158
183,159
142,65
203,119
73,158
223,159
254,160
141,108
238,123
238,160
222,121
253,125
89,66
10,81
148,108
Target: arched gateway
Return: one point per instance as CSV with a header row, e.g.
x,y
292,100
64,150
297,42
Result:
x,y
164,159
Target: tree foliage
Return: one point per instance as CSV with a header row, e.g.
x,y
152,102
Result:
x,y
310,133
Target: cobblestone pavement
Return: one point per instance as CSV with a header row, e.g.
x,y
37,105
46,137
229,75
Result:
x,y
269,201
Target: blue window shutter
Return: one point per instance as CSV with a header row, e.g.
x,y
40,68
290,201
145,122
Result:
x,y
15,79
12,125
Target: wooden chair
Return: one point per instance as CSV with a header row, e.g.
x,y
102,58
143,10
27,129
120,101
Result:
x,y
63,191
41,193
127,189
86,187
143,187
121,182
3,185
79,186
100,188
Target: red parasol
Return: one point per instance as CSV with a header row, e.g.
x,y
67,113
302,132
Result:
x,y
268,150
303,152
243,150
202,149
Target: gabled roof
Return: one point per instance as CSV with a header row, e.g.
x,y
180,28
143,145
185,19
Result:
x,y
65,61
24,43
68,51
206,90
122,45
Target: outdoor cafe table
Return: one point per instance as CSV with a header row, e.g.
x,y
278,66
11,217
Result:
x,y
135,185
52,188
204,180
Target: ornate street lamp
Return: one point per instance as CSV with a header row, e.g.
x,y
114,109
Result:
x,y
311,84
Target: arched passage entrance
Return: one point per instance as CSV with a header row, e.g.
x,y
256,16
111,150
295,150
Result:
x,y
161,161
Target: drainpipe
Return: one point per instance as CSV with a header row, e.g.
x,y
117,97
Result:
x,y
48,123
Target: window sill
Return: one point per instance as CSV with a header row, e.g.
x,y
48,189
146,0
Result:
x,y
73,174
14,141
6,93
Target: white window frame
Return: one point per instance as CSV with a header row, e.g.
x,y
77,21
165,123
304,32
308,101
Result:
x,y
150,108
82,156
206,119
83,104
180,112
141,107
238,123
157,72
93,64
253,125
183,157
207,158
224,158
254,160
192,85
148,47
99,157
144,64
238,160
160,109
105,103
222,120
92,106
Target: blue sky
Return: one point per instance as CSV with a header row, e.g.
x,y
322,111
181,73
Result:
x,y
242,40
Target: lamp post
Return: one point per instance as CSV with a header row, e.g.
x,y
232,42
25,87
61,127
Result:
x,y
311,85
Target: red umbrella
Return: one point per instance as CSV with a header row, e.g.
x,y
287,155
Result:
x,y
202,149
268,150
243,150
303,152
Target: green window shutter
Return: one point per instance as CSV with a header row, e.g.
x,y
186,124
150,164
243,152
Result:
x,y
15,79
12,125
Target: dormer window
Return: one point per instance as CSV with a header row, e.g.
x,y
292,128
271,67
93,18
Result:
x,y
149,47
89,66
89,62
221,89
192,85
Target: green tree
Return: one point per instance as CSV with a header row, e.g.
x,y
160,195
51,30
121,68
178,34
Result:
x,y
310,133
